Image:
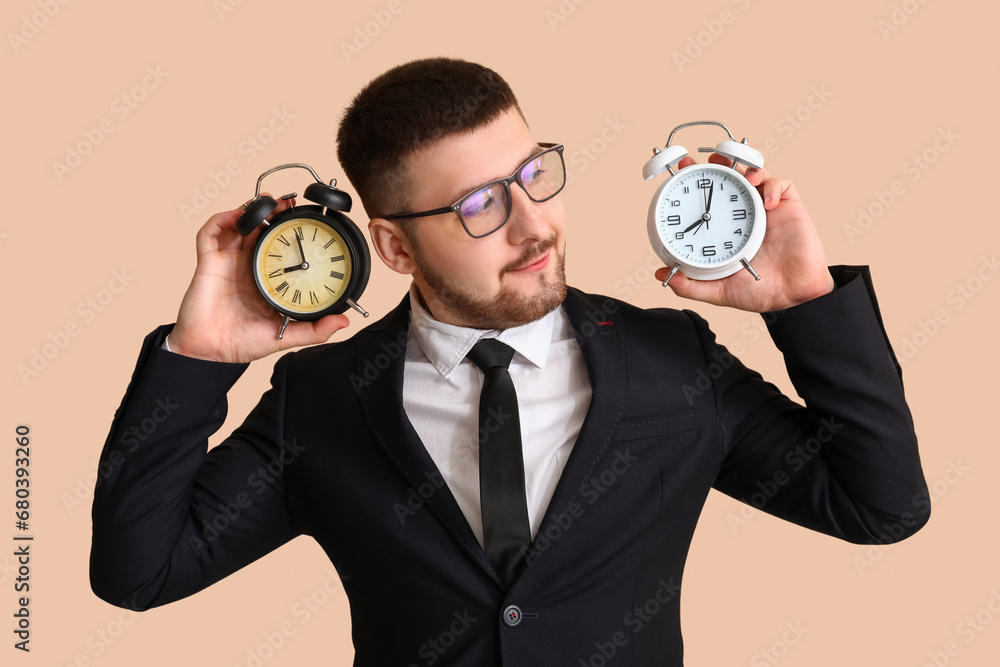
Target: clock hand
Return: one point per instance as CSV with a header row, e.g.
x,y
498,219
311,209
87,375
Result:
x,y
711,191
302,253
700,222
703,220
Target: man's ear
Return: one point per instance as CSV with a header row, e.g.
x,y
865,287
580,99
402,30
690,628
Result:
x,y
392,245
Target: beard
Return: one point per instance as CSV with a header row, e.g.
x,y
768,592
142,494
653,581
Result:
x,y
510,307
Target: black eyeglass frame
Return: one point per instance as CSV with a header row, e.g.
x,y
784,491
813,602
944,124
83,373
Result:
x,y
513,178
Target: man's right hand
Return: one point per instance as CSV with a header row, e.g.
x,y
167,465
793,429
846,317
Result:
x,y
223,317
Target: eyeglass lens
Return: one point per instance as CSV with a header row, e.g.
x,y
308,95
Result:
x,y
487,209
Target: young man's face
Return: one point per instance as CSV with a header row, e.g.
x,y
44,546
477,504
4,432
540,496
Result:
x,y
511,277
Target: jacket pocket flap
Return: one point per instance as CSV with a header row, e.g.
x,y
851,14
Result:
x,y
654,425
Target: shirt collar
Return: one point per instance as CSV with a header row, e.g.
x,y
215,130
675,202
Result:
x,y
447,344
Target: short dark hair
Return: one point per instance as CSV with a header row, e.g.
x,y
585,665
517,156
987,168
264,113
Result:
x,y
405,109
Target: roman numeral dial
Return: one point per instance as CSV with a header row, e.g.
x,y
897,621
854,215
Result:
x,y
303,266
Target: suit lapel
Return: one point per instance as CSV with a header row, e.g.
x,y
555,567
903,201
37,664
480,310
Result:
x,y
600,335
382,402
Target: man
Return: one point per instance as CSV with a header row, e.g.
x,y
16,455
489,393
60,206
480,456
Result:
x,y
621,437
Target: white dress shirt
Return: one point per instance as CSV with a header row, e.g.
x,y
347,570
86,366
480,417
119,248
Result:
x,y
441,398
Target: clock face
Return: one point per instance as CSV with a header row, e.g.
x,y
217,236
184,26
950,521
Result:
x,y
303,267
706,218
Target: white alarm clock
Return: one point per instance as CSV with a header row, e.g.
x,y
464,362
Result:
x,y
706,220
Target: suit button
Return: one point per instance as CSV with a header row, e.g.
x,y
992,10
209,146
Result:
x,y
512,616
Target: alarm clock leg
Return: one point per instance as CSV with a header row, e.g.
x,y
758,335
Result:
x,y
352,304
746,265
672,272
281,329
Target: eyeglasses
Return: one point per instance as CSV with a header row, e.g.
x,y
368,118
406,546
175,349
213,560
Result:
x,y
487,208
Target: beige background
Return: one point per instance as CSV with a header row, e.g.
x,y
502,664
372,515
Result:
x,y
841,97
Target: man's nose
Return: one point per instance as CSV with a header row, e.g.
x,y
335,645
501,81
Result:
x,y
527,220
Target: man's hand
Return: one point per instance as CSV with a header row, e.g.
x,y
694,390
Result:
x,y
223,317
791,261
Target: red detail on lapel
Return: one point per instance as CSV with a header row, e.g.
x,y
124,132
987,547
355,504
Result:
x,y
604,324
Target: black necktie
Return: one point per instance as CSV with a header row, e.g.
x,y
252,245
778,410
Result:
x,y
501,465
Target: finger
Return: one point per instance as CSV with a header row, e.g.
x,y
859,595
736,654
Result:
x,y
715,158
218,230
776,189
682,286
678,278
755,176
686,162
662,273
311,333
283,203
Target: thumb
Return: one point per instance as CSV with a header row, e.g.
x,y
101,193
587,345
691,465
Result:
x,y
682,286
311,333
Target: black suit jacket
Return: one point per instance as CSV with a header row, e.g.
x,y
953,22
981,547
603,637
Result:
x,y
329,452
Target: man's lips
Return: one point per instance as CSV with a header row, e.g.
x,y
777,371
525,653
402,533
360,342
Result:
x,y
536,264
533,261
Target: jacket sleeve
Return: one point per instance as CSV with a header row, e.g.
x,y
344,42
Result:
x,y
846,463
169,516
